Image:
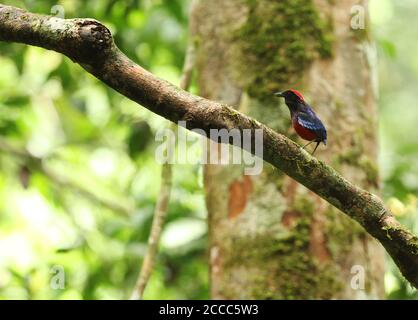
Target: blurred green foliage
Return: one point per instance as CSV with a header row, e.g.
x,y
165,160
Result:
x,y
77,192
82,196
395,27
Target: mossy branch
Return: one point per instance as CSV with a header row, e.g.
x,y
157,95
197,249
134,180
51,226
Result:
x,y
90,44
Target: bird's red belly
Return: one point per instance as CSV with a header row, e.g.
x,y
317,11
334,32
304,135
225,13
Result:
x,y
303,132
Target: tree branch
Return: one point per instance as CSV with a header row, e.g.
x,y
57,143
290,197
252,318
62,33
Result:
x,y
161,208
90,44
160,214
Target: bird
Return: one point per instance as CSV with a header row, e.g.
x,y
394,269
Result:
x,y
304,120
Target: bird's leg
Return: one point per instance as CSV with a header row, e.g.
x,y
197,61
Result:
x,y
317,144
307,144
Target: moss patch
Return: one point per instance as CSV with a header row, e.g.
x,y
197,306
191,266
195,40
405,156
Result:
x,y
281,264
280,39
342,232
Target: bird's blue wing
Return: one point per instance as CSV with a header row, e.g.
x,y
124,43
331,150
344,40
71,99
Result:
x,y
312,122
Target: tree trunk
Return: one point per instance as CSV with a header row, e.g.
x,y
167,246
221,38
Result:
x,y
270,238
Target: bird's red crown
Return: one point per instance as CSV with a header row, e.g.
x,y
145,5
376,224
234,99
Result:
x,y
298,94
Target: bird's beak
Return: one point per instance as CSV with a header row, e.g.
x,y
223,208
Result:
x,y
278,94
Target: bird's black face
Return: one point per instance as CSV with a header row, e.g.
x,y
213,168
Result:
x,y
292,100
289,96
